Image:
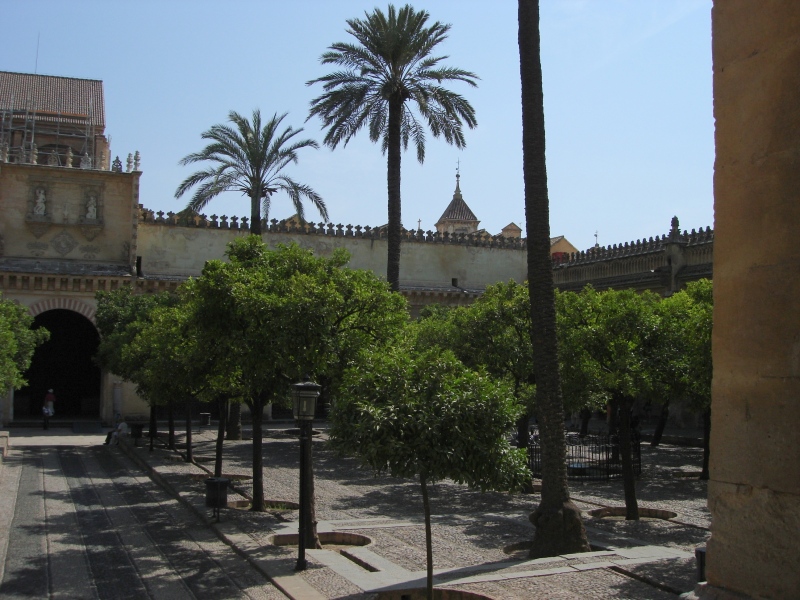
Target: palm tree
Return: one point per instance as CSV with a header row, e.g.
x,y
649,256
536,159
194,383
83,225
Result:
x,y
250,159
559,529
389,66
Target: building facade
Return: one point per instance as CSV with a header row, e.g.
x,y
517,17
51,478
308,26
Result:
x,y
73,224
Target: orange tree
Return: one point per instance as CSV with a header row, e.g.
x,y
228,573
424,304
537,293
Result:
x,y
280,315
424,415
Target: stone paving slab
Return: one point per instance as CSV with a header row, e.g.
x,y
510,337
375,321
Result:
x,y
242,535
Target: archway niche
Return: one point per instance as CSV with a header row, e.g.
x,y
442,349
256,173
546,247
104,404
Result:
x,y
65,364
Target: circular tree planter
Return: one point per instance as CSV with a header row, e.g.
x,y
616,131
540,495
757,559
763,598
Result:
x,y
618,512
438,594
332,538
687,474
232,477
268,504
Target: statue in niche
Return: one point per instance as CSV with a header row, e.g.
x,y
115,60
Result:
x,y
91,207
40,203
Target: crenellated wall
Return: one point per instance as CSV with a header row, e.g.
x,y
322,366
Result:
x,y
433,264
661,264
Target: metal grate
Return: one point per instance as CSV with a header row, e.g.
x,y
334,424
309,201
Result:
x,y
591,457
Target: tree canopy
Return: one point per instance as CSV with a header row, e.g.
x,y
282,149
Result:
x,y
250,158
382,81
17,343
427,416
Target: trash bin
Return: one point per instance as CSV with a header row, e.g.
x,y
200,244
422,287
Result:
x,y
217,494
205,419
700,556
136,432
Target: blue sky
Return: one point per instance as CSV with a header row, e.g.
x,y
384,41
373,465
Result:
x,y
627,84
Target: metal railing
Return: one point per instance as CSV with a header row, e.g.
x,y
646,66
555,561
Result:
x,y
594,457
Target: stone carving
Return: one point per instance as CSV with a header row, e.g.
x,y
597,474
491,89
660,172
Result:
x,y
69,157
64,243
89,252
91,208
116,166
40,202
137,161
37,248
129,163
34,155
52,159
4,152
86,161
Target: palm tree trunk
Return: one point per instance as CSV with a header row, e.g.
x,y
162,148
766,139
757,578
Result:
x,y
222,405
257,409
559,529
255,213
628,475
426,506
234,426
393,189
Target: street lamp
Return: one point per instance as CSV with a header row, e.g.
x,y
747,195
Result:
x,y
304,397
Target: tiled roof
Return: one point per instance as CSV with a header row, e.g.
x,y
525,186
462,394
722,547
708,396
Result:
x,y
53,98
458,210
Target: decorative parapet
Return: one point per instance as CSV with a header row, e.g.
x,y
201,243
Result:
x,y
637,248
662,264
183,219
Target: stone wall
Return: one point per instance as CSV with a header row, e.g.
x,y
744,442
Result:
x,y
754,492
662,264
175,247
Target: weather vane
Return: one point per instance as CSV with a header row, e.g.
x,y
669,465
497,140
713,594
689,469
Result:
x,y
595,238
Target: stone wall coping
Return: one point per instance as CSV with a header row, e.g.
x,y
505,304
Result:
x,y
637,248
182,219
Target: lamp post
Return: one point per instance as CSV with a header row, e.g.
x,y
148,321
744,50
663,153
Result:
x,y
304,397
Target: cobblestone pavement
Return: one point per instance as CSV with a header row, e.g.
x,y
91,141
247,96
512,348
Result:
x,y
651,558
84,522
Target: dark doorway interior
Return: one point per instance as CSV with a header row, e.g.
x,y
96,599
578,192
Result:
x,y
65,364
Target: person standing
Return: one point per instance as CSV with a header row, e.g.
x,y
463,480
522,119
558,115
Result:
x,y
48,410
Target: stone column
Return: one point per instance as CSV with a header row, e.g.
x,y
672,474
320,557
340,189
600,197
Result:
x,y
754,491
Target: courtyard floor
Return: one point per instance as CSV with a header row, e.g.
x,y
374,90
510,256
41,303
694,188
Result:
x,y
474,534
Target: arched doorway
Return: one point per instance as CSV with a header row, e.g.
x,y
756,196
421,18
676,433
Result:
x,y
65,364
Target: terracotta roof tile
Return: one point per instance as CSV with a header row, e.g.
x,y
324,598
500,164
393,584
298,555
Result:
x,y
54,98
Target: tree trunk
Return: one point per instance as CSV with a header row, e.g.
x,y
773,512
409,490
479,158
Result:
x,y
222,405
189,455
255,212
613,429
257,409
662,423
523,430
704,475
171,426
234,426
559,528
628,475
426,506
586,416
393,188
153,426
